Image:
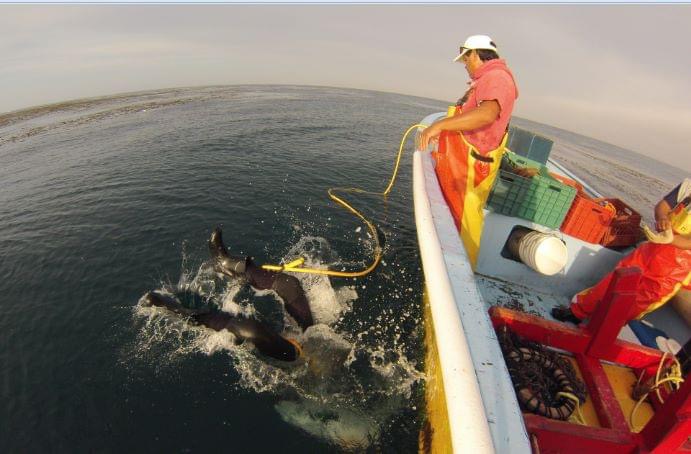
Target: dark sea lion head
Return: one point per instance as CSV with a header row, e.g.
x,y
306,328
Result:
x,y
151,299
225,263
216,246
157,299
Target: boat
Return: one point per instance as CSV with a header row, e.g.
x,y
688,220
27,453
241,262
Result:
x,y
471,403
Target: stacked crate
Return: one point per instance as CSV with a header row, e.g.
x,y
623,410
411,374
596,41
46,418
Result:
x,y
588,219
555,201
529,145
541,199
624,230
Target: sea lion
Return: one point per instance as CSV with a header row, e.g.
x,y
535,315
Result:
x,y
244,329
287,287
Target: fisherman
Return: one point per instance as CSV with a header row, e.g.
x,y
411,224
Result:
x,y
664,261
485,108
472,139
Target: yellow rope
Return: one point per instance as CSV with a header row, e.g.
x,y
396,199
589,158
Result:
x,y
296,265
674,377
578,416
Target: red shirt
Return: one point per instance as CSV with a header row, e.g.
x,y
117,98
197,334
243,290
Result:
x,y
492,81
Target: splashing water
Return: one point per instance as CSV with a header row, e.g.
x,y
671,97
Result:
x,y
349,430
342,390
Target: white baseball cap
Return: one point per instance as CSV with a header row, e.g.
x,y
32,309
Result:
x,y
476,42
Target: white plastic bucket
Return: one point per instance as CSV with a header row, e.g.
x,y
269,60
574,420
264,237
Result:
x,y
544,253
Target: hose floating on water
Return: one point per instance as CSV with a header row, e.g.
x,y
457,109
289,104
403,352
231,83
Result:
x,y
295,266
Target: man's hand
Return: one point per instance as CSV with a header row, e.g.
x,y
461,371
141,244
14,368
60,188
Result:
x,y
663,224
468,121
429,135
665,237
662,211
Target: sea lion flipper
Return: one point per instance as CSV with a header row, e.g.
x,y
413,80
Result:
x,y
291,292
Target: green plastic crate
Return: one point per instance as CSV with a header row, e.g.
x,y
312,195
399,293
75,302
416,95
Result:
x,y
511,160
540,199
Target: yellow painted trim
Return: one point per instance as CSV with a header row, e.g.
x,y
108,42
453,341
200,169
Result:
x,y
622,379
667,297
435,435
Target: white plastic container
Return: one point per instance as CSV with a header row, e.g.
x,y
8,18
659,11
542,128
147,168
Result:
x,y
543,252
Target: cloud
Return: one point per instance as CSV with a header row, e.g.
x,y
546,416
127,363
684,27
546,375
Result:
x,y
619,73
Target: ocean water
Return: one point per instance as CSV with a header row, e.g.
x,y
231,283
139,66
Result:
x,y
104,199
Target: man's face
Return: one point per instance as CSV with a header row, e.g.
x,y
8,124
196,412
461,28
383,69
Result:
x,y
469,60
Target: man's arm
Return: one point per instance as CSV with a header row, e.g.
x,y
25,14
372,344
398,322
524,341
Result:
x,y
662,222
485,114
664,207
682,241
662,210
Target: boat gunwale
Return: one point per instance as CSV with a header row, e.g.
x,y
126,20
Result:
x,y
464,400
467,365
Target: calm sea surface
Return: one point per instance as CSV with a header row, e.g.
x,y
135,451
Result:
x,y
104,199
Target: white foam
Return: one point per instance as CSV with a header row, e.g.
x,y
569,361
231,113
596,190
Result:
x,y
228,303
349,430
342,390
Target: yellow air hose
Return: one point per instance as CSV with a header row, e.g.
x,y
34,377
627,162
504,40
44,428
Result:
x,y
577,415
295,266
674,376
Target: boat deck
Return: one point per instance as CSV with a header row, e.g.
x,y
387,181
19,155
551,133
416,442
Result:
x,y
462,345
496,292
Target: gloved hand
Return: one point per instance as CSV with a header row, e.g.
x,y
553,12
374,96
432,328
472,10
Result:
x,y
664,237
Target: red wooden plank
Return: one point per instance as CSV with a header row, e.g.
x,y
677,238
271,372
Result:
x,y
564,437
575,340
676,440
670,426
612,313
602,395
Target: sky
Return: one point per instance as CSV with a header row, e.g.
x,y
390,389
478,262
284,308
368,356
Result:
x,y
618,73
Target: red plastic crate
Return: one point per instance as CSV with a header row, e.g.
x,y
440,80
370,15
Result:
x,y
624,230
567,181
587,219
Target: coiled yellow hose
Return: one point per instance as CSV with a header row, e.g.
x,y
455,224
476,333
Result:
x,y
674,376
577,415
296,265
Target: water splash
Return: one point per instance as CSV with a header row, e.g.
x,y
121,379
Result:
x,y
345,387
350,431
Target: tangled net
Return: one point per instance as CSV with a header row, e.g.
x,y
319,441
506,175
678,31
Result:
x,y
545,383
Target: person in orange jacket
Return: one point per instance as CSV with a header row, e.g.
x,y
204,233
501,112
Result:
x,y
664,261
